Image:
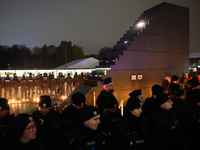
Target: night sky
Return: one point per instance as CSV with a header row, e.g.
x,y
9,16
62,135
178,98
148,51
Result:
x,y
90,24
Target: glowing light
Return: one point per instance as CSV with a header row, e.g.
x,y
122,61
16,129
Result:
x,y
125,42
140,24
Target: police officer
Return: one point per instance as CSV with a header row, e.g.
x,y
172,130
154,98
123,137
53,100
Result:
x,y
1,86
137,94
108,89
53,82
16,84
24,84
174,85
111,113
38,84
69,81
61,84
72,113
45,84
163,126
30,85
7,86
150,103
89,134
50,124
76,80
25,129
7,135
190,121
130,130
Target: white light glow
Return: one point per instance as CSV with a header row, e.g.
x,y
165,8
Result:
x,y
140,24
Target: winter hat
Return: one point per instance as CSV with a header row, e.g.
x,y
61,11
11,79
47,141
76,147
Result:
x,y
78,99
162,98
106,80
174,78
89,112
156,89
112,102
179,92
133,103
4,104
45,101
135,93
20,122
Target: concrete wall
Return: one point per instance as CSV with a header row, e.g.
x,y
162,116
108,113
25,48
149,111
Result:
x,y
161,49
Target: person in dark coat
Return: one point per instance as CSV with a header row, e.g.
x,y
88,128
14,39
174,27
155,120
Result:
x,y
190,121
88,135
108,89
50,124
25,129
7,135
179,102
130,130
111,113
137,94
163,126
72,113
174,85
150,104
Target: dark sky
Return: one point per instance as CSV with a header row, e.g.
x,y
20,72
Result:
x,y
90,24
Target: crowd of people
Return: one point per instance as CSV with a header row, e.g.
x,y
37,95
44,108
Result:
x,y
40,85
168,120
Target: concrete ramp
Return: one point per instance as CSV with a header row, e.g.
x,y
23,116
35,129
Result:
x,y
80,88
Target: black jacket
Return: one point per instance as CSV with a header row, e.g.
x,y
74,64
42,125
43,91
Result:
x,y
83,138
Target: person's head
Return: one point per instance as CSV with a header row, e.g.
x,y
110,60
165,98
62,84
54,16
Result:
x,y
137,94
165,85
112,104
175,79
134,106
180,94
164,101
108,84
44,104
4,107
24,127
90,117
68,74
168,78
78,100
156,89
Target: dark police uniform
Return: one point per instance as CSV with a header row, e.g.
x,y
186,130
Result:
x,y
30,86
7,85
164,131
7,134
16,84
72,116
35,144
1,86
38,84
69,81
49,127
83,138
102,99
53,82
61,84
24,83
129,133
45,84
190,122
